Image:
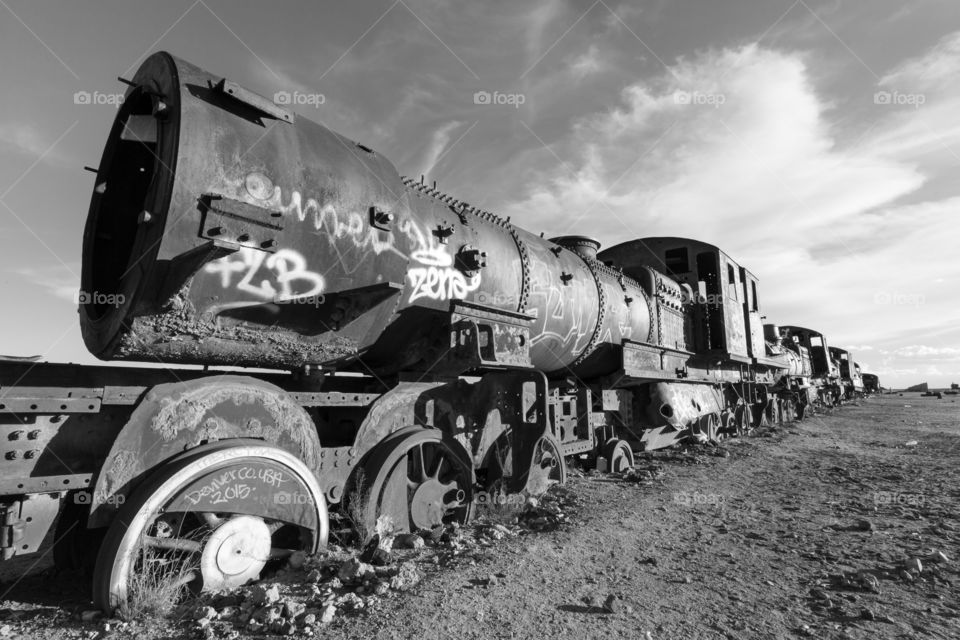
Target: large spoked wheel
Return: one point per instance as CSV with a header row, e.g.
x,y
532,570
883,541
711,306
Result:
x,y
772,412
209,520
709,428
619,455
741,420
416,479
546,468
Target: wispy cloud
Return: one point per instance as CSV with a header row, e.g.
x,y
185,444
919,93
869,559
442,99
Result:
x,y
59,281
27,139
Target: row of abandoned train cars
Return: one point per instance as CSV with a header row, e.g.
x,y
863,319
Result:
x,y
380,345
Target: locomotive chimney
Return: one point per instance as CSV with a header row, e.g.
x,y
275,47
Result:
x,y
584,246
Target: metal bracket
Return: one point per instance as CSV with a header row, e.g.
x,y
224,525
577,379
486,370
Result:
x,y
229,221
25,523
443,231
381,219
255,100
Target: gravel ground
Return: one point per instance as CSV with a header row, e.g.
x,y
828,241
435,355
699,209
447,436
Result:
x,y
843,526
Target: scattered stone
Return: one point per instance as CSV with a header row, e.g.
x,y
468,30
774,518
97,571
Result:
x,y
297,559
315,576
5,630
228,613
612,604
326,616
353,570
913,565
687,579
309,620
910,443
886,619
350,601
492,580
864,525
262,594
91,615
293,608
378,551
407,577
867,614
938,557
204,613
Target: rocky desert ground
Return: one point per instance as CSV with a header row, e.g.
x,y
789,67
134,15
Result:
x,y
845,525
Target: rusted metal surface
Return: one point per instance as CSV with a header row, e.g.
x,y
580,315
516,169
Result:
x,y
179,416
268,261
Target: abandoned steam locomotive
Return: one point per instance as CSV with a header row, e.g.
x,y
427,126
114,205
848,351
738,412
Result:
x,y
422,350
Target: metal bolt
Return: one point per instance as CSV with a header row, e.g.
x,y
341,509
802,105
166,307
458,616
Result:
x,y
12,455
33,435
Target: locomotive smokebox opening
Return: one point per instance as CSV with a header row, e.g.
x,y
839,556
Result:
x,y
129,202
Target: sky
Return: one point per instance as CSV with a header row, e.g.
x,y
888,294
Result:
x,y
816,141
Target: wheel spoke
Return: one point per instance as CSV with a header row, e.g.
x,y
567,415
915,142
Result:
x,y
174,544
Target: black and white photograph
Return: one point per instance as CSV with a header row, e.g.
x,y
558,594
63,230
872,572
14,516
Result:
x,y
509,319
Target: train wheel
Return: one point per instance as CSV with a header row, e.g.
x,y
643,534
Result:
x,y
547,467
208,520
773,411
417,479
727,425
618,454
741,419
789,410
710,427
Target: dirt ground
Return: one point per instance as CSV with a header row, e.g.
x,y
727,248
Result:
x,y
806,530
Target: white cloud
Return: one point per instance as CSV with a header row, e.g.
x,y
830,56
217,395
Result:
x,y
736,147
27,139
61,281
438,143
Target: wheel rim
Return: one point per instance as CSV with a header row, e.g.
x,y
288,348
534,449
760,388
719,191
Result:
x,y
547,467
619,455
416,480
158,543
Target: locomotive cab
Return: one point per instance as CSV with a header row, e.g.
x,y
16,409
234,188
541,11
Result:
x,y
727,306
